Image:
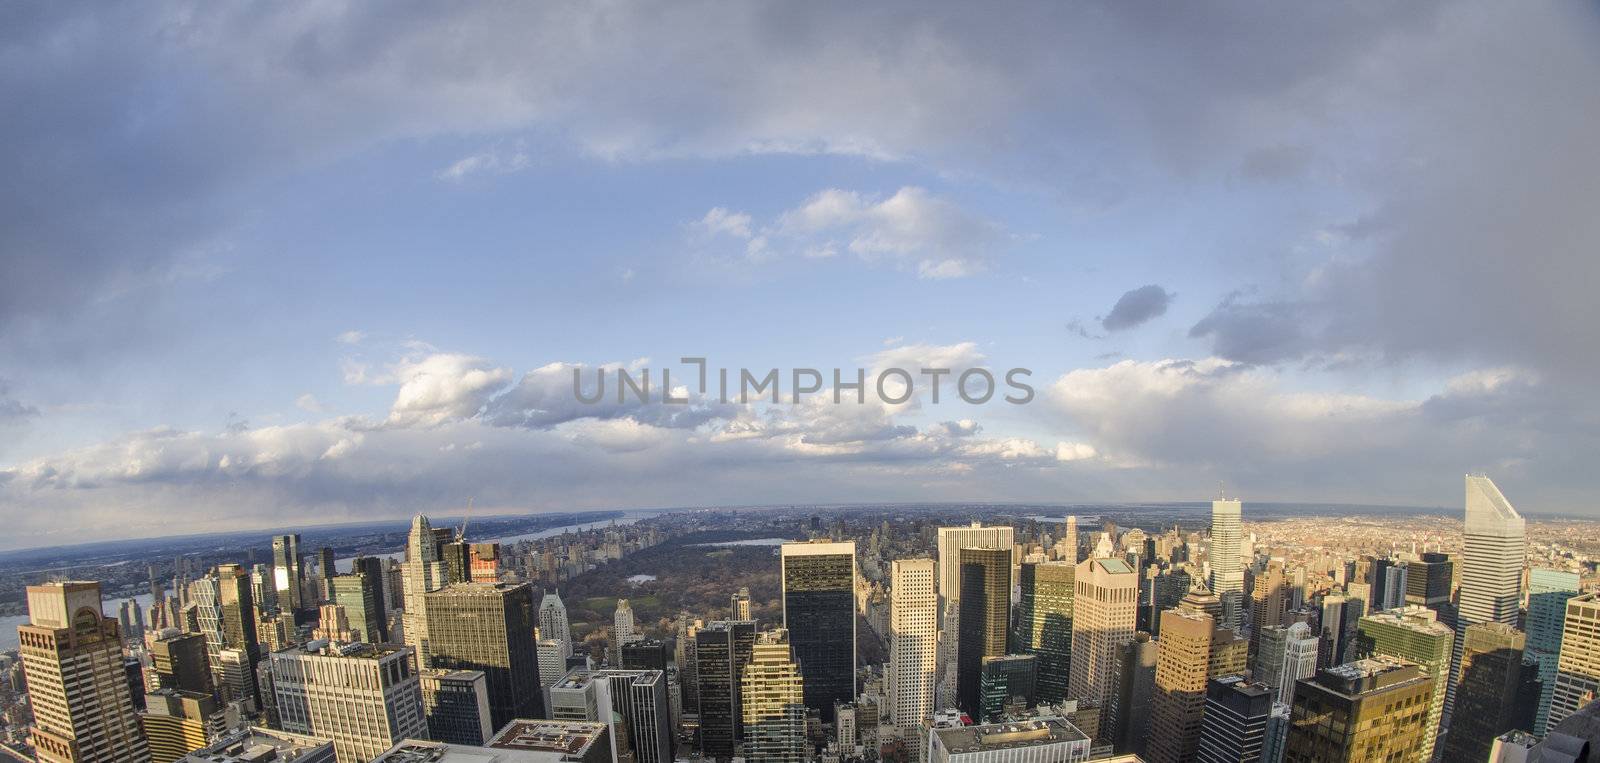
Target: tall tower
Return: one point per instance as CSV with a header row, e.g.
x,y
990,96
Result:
x,y
553,622
1578,672
819,583
1236,717
913,641
1287,653
950,542
364,698
1496,692
1044,623
489,627
722,649
985,605
72,659
239,634
1365,710
1071,539
1492,556
421,572
1548,592
739,605
1193,649
1414,635
1227,562
773,698
288,570
1104,607
623,630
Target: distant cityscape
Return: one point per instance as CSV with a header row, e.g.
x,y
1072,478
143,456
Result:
x,y
832,634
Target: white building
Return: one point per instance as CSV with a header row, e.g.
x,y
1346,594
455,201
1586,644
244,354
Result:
x,y
1227,561
1041,740
364,698
913,647
554,625
1104,608
1492,556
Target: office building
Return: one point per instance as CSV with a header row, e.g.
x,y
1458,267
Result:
x,y
360,595
363,697
455,705
949,542
71,657
1045,739
421,572
1194,648
1548,592
632,703
1269,600
333,624
1128,716
1414,635
1578,669
179,662
984,606
259,745
288,572
575,741
1234,729
913,645
819,612
645,654
1497,693
1493,554
1006,685
1227,560
623,630
739,605
1044,623
1104,606
489,627
1429,580
722,650
1285,654
553,622
772,695
238,611
1367,710
176,723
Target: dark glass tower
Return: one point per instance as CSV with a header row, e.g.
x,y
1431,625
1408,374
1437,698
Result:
x,y
489,627
722,650
1044,624
984,613
819,613
288,569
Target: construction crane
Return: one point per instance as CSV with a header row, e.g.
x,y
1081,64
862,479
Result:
x,y
462,535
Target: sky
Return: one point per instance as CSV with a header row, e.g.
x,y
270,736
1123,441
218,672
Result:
x,y
332,261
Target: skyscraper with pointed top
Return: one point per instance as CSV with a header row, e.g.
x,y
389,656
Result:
x,y
1492,556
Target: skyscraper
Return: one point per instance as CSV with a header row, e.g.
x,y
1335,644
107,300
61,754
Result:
x,y
1578,671
288,572
1044,623
913,641
364,698
819,614
1227,561
1193,649
632,703
623,631
1496,693
722,649
553,623
950,541
71,655
421,572
489,627
773,700
739,605
1287,653
1492,557
1128,718
1548,592
1414,635
1104,606
1367,710
1234,729
1269,600
239,633
178,722
985,603
455,705
359,598
1006,681
180,662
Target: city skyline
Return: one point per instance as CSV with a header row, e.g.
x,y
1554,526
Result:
x,y
1330,256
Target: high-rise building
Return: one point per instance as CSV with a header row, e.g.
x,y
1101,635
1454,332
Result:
x,y
553,622
1193,649
1269,600
1044,623
357,595
373,569
773,699
327,568
363,697
489,627
1234,729
1006,683
1578,670
1548,592
180,663
950,541
239,633
1227,560
1104,606
1496,694
288,572
819,584
483,563
913,642
1373,709
71,656
1429,580
984,606
179,722
1046,738
722,649
739,605
1412,634
1286,654
623,630
632,703
422,571
1493,553
1128,717
645,654
455,705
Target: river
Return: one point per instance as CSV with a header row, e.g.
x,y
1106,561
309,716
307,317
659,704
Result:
x,y
8,624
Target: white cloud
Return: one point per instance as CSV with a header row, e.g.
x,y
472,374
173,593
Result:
x,y
352,336
498,160
309,403
444,387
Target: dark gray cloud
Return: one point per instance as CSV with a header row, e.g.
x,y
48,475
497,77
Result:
x,y
1254,332
1136,307
13,410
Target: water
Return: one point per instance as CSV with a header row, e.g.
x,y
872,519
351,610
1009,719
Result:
x,y
8,624
641,579
755,542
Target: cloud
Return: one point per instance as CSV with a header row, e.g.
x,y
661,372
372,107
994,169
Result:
x,y
1137,307
444,387
350,337
498,160
13,410
310,404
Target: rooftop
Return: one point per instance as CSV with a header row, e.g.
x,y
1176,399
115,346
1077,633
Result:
x,y
258,745
1006,736
566,737
418,751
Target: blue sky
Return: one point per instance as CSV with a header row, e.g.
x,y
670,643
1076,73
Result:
x,y
305,263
